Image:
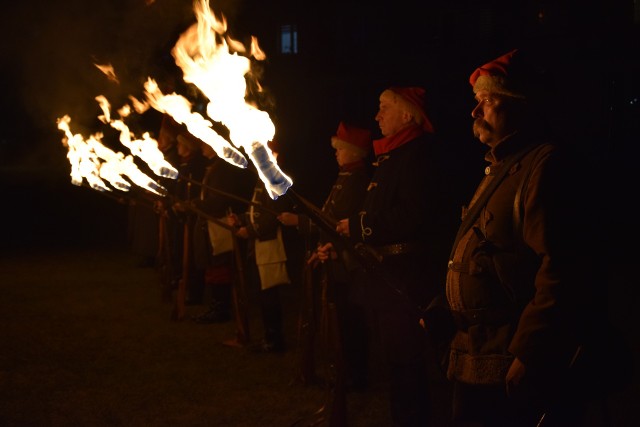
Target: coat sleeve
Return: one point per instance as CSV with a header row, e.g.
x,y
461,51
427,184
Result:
x,y
553,321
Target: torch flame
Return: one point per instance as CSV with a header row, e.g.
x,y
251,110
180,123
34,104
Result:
x,y
221,76
178,107
95,162
210,60
145,148
108,71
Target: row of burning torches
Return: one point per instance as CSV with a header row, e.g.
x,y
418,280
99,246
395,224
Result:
x,y
204,55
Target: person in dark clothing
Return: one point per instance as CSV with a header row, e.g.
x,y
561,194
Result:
x,y
212,242
523,269
191,166
403,223
352,146
143,219
165,222
176,222
266,260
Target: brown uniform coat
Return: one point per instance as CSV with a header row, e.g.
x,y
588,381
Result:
x,y
515,283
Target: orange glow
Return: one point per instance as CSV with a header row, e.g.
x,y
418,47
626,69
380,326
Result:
x,y
108,71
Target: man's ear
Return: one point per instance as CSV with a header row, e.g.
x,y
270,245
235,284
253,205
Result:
x,y
407,117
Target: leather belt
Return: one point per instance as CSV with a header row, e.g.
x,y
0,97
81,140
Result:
x,y
483,316
395,249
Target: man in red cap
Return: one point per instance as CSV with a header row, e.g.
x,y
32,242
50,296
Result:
x,y
403,222
517,284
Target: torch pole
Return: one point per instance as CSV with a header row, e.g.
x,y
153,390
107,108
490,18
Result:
x,y
120,198
317,213
164,255
231,196
179,309
240,297
326,223
307,325
364,254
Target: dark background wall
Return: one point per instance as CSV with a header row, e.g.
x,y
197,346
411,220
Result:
x,y
348,52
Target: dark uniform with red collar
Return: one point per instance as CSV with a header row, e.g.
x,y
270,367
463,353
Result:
x,y
406,219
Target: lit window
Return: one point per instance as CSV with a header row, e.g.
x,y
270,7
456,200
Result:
x,y
289,39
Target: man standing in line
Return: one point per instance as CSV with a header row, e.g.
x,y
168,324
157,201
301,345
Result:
x,y
213,244
266,260
352,146
403,219
521,276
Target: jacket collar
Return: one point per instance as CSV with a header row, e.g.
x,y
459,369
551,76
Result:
x,y
389,143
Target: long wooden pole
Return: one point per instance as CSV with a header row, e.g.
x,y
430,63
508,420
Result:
x,y
307,328
240,299
232,196
181,294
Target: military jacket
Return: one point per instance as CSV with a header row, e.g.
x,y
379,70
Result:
x,y
507,284
344,199
347,193
407,204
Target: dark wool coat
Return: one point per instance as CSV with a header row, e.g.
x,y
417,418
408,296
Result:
x,y
347,193
515,283
407,202
191,168
344,199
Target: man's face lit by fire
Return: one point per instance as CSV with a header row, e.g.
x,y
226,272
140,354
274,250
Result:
x,y
493,117
345,156
391,117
